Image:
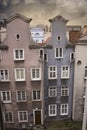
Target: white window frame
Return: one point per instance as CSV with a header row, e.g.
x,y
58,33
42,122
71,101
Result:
x,y
41,54
36,94
64,109
85,75
52,91
35,75
65,73
64,90
24,113
19,56
72,57
6,94
20,79
59,53
52,72
0,55
52,110
4,77
22,94
9,113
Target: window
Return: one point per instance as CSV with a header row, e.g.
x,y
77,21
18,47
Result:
x,y
85,71
41,54
6,96
58,38
65,72
8,117
64,109
19,74
21,96
0,55
45,57
72,57
4,75
58,52
35,74
22,116
19,54
52,72
36,95
53,91
17,36
64,91
52,110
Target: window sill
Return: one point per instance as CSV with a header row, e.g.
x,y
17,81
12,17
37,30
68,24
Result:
x,y
4,80
20,80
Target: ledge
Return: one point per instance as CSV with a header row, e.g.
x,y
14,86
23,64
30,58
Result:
x,y
3,47
34,46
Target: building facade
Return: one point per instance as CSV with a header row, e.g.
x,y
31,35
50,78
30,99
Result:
x,y
80,78
59,68
21,75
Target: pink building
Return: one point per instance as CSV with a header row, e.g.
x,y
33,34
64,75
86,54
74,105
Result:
x,y
21,75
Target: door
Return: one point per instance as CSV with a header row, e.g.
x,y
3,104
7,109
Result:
x,y
38,117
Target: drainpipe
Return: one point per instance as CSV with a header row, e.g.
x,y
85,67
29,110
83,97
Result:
x,y
84,125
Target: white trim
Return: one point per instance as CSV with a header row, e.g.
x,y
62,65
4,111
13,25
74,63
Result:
x,y
20,74
41,56
21,96
52,91
62,114
64,88
4,80
65,74
36,95
58,57
53,105
26,116
5,118
52,72
18,49
72,58
6,101
36,78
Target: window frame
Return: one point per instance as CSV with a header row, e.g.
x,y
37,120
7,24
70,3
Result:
x,y
58,53
85,75
53,110
65,72
36,95
65,109
64,90
6,100
52,92
8,112
35,78
20,79
19,36
52,72
19,56
21,96
4,75
19,120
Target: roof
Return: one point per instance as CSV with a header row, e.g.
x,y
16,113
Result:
x,y
17,15
57,18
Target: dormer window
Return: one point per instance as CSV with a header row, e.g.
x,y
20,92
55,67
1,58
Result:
x,y
58,38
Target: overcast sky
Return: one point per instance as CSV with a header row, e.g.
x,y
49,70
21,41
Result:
x,y
42,10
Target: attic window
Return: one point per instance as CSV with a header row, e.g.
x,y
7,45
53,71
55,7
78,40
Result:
x,y
18,36
58,38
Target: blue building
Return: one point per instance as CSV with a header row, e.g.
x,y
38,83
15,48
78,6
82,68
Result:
x,y
58,72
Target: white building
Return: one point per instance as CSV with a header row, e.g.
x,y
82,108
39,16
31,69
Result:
x,y
80,76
